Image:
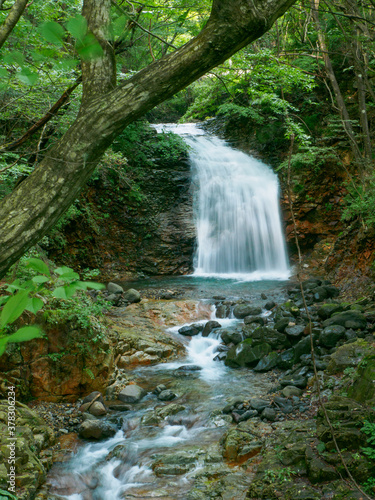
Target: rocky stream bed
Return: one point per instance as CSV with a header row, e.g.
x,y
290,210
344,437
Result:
x,y
211,399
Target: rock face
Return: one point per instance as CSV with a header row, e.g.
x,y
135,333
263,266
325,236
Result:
x,y
146,230
33,436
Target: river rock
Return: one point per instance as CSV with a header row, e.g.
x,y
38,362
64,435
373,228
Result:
x,y
289,391
93,395
325,311
132,296
96,429
349,319
281,324
209,326
270,305
97,408
114,288
269,335
166,395
286,359
229,337
299,381
254,319
331,335
295,332
242,310
132,394
267,362
191,330
244,354
269,414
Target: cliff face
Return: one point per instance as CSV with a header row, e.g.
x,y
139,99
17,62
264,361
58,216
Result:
x,y
151,232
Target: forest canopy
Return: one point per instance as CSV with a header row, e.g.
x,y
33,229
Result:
x,y
73,76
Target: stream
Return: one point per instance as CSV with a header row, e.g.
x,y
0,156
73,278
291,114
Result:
x,y
173,450
164,449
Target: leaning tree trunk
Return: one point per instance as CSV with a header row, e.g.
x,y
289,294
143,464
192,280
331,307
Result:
x,y
39,201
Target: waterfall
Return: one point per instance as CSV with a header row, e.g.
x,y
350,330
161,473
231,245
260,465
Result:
x,y
239,231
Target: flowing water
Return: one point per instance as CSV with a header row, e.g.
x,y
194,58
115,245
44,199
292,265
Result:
x,y
175,456
239,231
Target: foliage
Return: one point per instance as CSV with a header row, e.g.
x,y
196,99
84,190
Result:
x,y
32,293
369,429
360,201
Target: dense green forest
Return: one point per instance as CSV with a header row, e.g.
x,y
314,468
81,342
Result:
x,y
307,84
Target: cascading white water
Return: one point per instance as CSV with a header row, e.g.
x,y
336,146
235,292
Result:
x,y
237,210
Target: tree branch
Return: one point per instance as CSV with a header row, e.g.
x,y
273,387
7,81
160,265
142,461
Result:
x,y
15,13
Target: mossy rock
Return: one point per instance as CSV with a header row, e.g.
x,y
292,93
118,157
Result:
x,y
349,319
246,355
349,356
363,388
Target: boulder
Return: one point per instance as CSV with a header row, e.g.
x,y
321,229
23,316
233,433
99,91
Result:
x,y
295,332
254,319
331,335
132,296
93,395
114,288
242,310
289,391
268,335
97,408
349,355
245,354
132,394
209,326
281,324
229,337
349,319
363,387
191,330
270,305
267,363
166,395
286,359
96,429
325,311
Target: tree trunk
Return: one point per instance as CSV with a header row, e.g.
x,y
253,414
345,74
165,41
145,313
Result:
x,y
39,201
12,19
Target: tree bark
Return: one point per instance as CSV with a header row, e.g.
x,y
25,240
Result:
x,y
39,201
12,19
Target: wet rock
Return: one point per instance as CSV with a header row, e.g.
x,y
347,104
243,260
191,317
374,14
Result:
x,y
270,305
281,324
132,296
96,429
299,381
166,395
242,310
267,362
286,359
189,368
348,355
93,395
259,404
113,288
222,311
115,406
254,319
325,311
269,414
331,335
303,347
209,326
221,356
159,388
348,319
295,332
267,335
244,354
97,409
244,416
132,394
229,337
289,391
191,330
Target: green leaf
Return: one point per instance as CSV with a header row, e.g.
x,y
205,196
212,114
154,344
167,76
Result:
x,y
77,26
25,333
3,299
71,289
3,345
4,73
89,48
14,307
34,304
38,265
27,76
84,285
40,279
14,57
52,32
59,293
64,270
